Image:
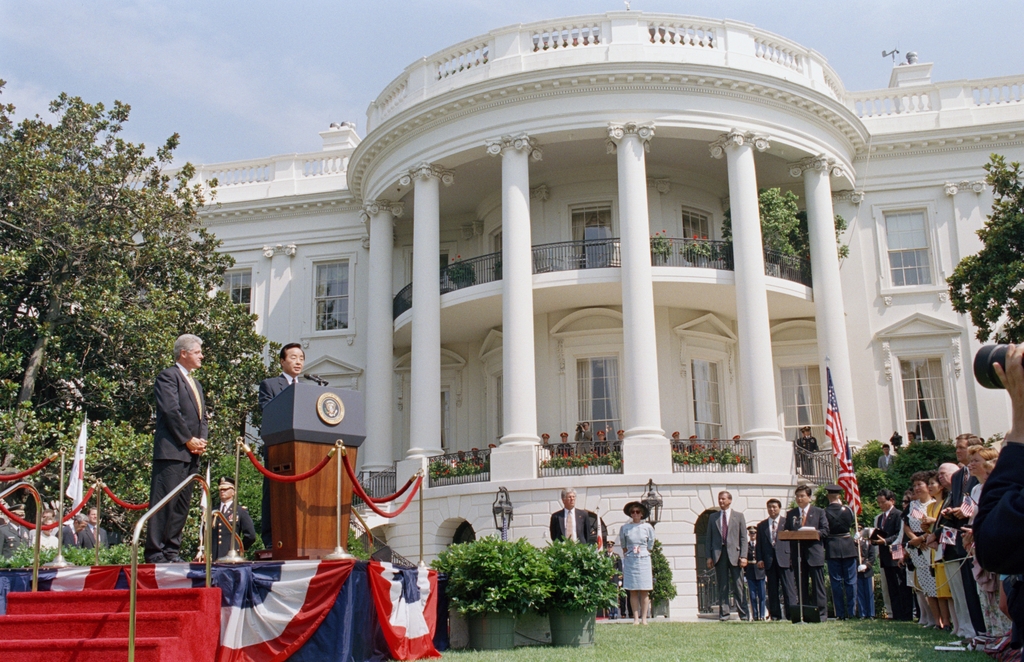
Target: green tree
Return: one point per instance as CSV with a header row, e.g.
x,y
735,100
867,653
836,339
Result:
x,y
661,571
986,285
103,262
784,226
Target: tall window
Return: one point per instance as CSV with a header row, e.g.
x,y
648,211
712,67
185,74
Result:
x,y
801,402
696,225
707,403
238,285
592,223
907,242
924,398
332,296
597,381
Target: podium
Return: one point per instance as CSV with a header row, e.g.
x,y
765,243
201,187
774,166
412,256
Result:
x,y
799,613
300,426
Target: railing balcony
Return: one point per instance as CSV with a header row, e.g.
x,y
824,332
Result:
x,y
604,254
377,484
580,458
816,466
712,455
459,468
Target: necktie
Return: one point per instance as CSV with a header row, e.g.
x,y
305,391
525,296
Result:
x,y
570,525
725,528
803,520
773,532
195,392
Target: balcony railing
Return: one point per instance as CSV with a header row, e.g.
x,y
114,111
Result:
x,y
459,468
580,458
816,466
377,484
787,267
713,455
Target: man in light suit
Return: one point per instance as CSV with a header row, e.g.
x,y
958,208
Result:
x,y
572,522
292,360
885,459
727,554
87,538
180,438
810,555
774,559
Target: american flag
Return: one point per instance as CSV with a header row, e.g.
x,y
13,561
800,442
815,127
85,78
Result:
x,y
968,508
834,431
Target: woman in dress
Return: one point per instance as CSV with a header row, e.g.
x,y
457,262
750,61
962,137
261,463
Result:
x,y
637,540
914,535
942,591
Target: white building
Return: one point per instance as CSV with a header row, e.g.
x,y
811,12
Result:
x,y
537,161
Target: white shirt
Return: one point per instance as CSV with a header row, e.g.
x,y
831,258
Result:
x,y
291,380
185,371
225,506
777,521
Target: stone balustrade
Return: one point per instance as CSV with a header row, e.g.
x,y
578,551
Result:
x,y
290,174
948,97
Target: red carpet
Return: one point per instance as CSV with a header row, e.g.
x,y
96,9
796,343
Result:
x,y
172,625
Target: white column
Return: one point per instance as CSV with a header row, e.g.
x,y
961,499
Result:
x,y
278,322
425,378
829,312
645,449
757,376
516,458
380,216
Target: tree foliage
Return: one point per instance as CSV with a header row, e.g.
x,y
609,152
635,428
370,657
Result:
x,y
784,226
987,285
103,263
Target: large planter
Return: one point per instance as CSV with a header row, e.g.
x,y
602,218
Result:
x,y
492,632
575,628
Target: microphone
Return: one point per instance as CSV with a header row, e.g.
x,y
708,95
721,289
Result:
x,y
316,378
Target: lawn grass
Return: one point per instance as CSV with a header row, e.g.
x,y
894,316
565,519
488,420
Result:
x,y
763,642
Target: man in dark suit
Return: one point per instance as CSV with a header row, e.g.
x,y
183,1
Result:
x,y
889,524
810,554
243,527
292,360
841,553
181,430
87,538
727,554
572,522
71,533
774,559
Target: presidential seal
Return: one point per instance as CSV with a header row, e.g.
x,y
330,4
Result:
x,y
330,409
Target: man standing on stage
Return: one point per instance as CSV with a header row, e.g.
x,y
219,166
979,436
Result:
x,y
292,360
243,527
773,558
809,554
180,438
841,551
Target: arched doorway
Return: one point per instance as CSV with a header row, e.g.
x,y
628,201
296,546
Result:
x,y
464,533
707,585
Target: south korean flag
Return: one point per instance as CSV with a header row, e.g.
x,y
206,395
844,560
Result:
x,y
406,603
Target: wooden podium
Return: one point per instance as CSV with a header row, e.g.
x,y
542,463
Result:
x,y
300,426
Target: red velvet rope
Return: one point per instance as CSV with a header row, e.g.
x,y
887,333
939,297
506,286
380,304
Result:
x,y
29,472
124,504
361,493
395,495
50,527
287,479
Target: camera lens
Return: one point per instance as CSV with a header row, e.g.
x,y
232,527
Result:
x,y
984,360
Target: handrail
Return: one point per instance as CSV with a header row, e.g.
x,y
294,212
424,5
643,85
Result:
x,y
238,538
133,581
39,524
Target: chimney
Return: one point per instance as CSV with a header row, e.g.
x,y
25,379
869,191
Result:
x,y
911,73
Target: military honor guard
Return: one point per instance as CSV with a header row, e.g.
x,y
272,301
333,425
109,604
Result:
x,y
243,527
841,553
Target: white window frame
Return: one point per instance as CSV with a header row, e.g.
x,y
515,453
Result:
x,y
886,286
817,429
575,402
590,201
719,347
948,389
242,269
311,264
720,368
692,209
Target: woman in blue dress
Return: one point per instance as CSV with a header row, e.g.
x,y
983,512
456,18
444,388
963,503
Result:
x,y
637,541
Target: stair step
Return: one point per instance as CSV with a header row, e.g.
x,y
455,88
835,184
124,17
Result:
x,y
91,626
107,602
147,649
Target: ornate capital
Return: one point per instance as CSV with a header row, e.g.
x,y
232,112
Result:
x,y
821,163
737,138
616,132
952,188
663,186
280,249
426,171
855,196
521,142
375,207
540,193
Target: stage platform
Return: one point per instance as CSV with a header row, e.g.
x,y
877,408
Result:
x,y
304,611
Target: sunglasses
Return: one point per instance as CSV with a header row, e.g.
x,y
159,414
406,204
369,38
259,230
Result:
x,y
636,512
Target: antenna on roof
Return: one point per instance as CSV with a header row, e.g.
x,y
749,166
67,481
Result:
x,y
893,53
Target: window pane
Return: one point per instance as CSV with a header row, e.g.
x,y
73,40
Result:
x,y
924,398
696,225
707,411
332,296
907,241
597,382
238,285
801,401
592,223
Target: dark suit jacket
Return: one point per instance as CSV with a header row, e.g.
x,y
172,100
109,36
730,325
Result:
x,y
999,523
67,536
586,525
270,388
890,530
840,543
735,545
813,552
177,417
222,538
764,551
961,484
87,541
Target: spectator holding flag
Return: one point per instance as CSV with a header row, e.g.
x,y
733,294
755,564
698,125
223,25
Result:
x,y
915,532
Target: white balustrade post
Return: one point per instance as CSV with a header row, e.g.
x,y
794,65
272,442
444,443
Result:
x,y
645,448
517,456
829,312
425,378
757,377
380,373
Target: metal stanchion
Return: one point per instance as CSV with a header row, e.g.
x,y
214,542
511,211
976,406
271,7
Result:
x,y
39,526
99,513
58,561
340,552
233,556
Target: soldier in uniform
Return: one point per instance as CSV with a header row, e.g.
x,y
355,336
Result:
x,y
10,539
865,579
841,553
243,527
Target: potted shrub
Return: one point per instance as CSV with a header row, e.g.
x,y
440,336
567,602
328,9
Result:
x,y
661,247
664,590
581,584
461,274
490,582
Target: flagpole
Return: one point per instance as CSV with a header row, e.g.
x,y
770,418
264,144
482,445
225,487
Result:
x,y
58,561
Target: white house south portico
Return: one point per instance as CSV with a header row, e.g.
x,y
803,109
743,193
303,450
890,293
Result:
x,y
563,227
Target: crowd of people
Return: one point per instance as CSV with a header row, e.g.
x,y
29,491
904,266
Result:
x,y
81,531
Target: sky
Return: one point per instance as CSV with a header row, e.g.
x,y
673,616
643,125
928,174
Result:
x,y
248,80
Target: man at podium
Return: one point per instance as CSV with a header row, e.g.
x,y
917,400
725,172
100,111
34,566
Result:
x,y
292,360
810,554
